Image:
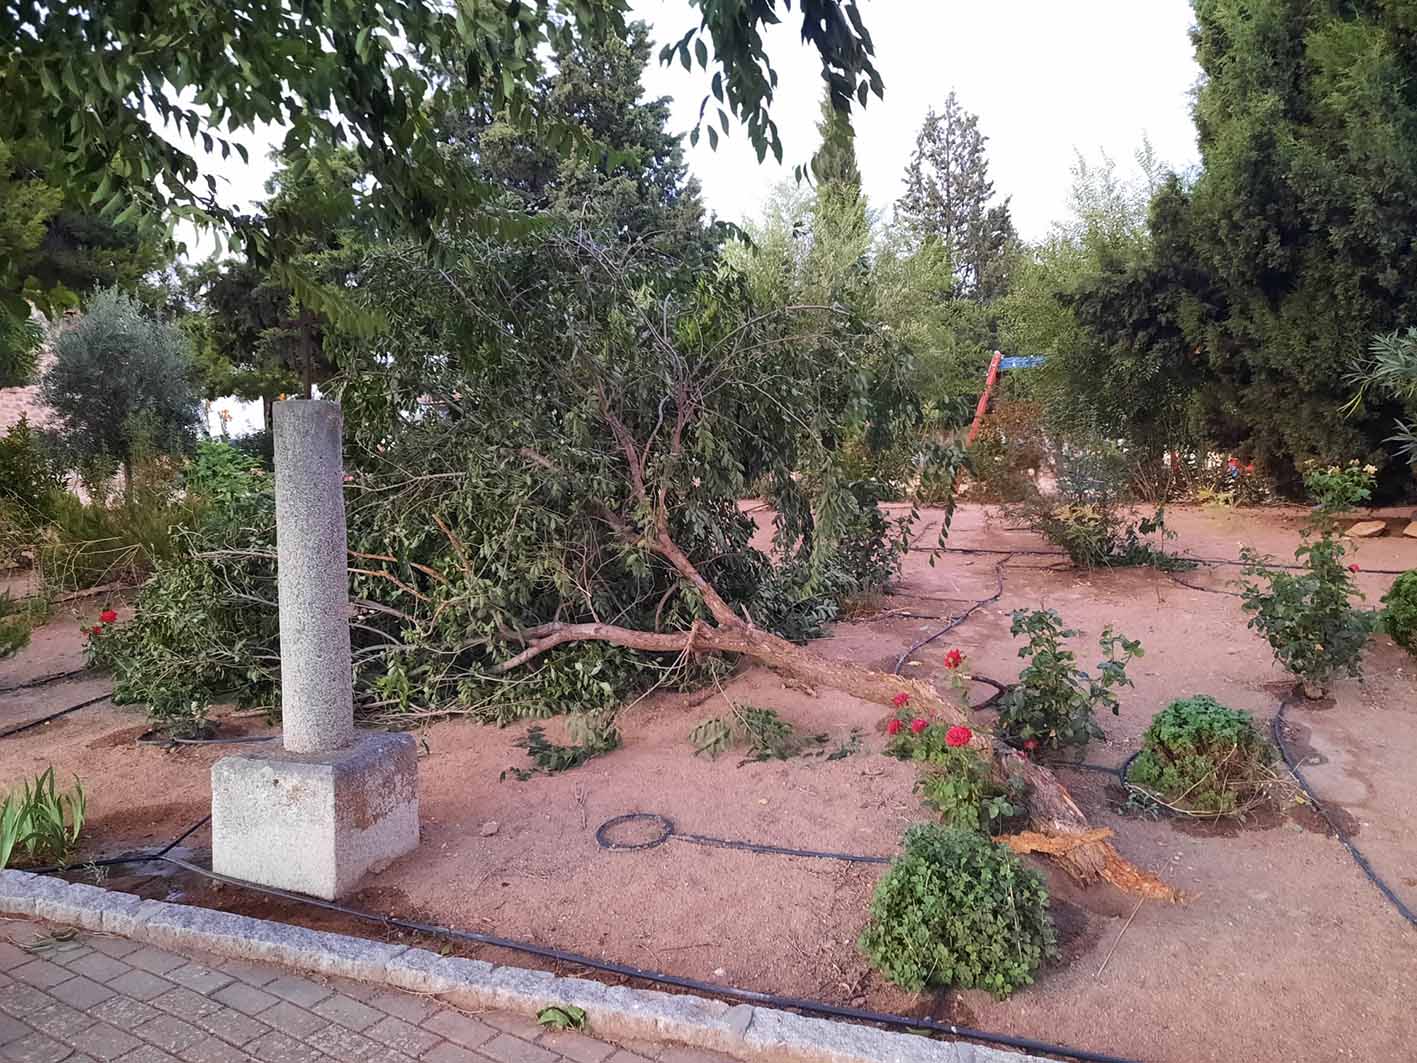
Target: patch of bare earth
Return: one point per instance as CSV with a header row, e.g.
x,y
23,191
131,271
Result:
x,y
1281,951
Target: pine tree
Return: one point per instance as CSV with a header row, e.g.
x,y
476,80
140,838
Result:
x,y
835,161
948,198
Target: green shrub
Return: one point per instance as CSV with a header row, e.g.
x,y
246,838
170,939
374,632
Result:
x,y
17,619
1307,617
1199,756
1399,618
954,781
1053,701
1335,488
93,543
40,822
188,645
956,909
29,481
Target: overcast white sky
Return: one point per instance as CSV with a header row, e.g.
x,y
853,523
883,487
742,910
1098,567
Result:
x,y
1047,79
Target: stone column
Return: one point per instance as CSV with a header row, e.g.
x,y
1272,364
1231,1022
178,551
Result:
x,y
317,701
335,804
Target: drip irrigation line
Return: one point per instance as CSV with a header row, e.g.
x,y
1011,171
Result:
x,y
1174,578
54,715
155,738
1101,769
1276,728
162,853
623,970
1231,561
43,680
668,832
956,621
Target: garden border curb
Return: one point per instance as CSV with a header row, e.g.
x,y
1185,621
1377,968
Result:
x,y
744,1031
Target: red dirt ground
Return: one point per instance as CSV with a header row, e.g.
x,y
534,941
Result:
x,y
1282,950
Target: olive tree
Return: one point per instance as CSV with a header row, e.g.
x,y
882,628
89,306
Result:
x,y
120,382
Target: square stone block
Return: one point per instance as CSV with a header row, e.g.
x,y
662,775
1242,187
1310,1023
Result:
x,y
316,823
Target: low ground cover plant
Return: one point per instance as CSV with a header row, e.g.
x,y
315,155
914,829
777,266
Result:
x,y
956,909
1054,702
1399,617
1201,758
39,823
1090,519
1335,488
17,618
1308,617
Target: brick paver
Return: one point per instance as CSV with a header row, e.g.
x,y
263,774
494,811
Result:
x,y
90,997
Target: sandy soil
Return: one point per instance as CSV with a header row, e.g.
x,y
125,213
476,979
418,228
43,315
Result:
x,y
1282,951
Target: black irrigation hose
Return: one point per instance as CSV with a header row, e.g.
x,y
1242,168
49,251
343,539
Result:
x,y
878,1018
1231,561
956,621
156,738
43,680
1101,769
1276,729
668,832
1174,578
54,715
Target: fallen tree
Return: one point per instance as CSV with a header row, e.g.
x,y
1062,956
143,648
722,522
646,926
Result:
x,y
1060,830
546,454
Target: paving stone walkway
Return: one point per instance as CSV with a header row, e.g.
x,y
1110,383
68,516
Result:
x,y
95,997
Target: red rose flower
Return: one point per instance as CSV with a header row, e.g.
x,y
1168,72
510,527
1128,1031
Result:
x,y
893,728
1352,568
1030,744
108,616
917,725
901,700
95,630
958,735
953,659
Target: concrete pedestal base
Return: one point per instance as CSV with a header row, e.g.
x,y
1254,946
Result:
x,y
315,823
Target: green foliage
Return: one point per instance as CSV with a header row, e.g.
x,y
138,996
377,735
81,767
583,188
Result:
x,y
957,785
121,382
1200,757
1390,371
17,619
1308,617
1399,617
948,198
1090,520
1273,267
562,1017
205,626
1336,488
1099,535
956,909
591,735
41,822
29,481
102,87
762,733
221,475
115,537
1054,701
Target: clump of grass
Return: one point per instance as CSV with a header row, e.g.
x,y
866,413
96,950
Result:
x,y
40,823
